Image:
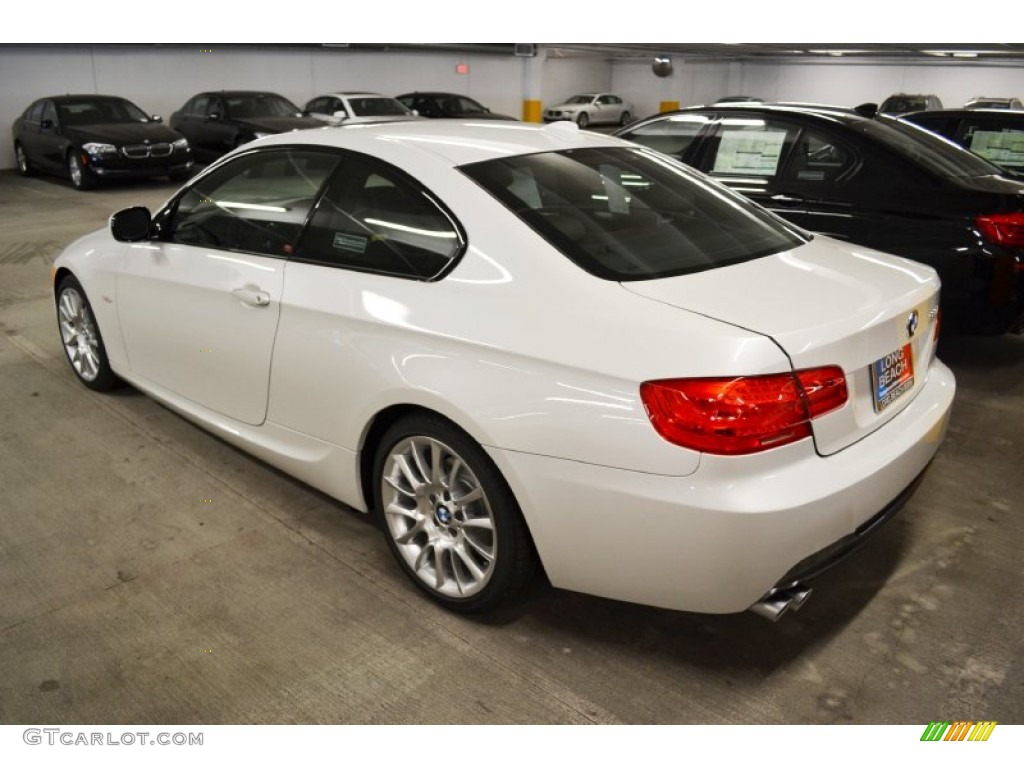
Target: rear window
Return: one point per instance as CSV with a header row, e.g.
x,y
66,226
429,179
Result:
x,y
933,153
632,214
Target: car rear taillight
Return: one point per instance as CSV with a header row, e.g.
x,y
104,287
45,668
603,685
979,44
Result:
x,y
742,414
1003,228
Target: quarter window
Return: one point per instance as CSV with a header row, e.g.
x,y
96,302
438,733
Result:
x,y
374,219
818,158
255,204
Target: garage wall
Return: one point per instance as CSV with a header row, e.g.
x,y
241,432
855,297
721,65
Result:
x,y
689,83
161,79
563,78
852,84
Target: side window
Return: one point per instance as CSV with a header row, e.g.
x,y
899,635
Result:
x,y
374,219
818,158
750,147
50,112
672,135
255,204
216,107
996,143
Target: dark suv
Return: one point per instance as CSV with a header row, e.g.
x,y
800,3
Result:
x,y
881,183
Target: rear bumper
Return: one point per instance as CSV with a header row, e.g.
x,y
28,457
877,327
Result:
x,y
718,540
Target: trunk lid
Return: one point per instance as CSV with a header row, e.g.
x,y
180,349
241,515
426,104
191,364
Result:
x,y
828,303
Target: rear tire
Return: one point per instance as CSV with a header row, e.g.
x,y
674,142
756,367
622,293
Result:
x,y
449,517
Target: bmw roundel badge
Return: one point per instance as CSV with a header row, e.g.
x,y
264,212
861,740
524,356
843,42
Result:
x,y
912,324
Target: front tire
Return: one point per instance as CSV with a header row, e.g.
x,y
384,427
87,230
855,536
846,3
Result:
x,y
449,518
24,167
582,119
80,336
626,117
81,177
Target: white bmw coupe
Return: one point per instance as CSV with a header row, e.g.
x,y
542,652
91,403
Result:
x,y
521,345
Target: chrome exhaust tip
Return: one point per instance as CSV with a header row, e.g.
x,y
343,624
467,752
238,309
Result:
x,y
778,601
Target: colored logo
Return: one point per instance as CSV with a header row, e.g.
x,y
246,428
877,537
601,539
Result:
x,y
912,324
959,730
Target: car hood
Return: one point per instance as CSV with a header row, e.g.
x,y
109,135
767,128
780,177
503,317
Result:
x,y
122,133
824,303
279,124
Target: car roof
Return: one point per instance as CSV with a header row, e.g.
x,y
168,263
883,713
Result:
x,y
1009,114
451,142
240,93
79,96
822,111
348,94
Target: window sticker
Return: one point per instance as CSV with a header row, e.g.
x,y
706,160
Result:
x,y
749,153
1000,147
346,242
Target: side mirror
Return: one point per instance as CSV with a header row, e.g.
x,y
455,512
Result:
x,y
415,112
131,224
213,116
156,118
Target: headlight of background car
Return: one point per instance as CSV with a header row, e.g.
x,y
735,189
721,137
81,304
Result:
x,y
95,148
180,145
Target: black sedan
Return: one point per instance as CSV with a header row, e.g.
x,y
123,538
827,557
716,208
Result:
x,y
880,183
995,134
440,104
216,122
89,137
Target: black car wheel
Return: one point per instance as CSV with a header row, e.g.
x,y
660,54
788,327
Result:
x,y
81,177
583,120
448,516
626,117
24,167
81,338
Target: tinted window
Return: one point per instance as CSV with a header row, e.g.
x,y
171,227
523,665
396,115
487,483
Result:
x,y
92,111
198,105
672,135
35,112
259,105
630,214
49,112
376,105
256,203
373,218
925,149
818,158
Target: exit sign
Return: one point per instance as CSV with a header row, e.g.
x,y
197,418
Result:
x,y
462,69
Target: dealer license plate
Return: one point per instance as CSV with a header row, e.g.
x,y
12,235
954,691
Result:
x,y
891,377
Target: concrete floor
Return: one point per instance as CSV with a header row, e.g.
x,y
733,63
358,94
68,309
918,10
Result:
x,y
151,574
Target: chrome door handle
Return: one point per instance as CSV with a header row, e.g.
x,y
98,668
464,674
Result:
x,y
252,296
786,199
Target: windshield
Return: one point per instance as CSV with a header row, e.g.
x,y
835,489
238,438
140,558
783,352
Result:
x,y
93,111
261,105
926,149
625,213
462,104
376,105
583,98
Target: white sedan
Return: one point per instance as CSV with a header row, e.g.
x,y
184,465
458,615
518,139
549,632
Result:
x,y
587,109
520,345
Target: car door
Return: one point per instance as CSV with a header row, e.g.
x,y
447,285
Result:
x,y
374,244
51,144
199,304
